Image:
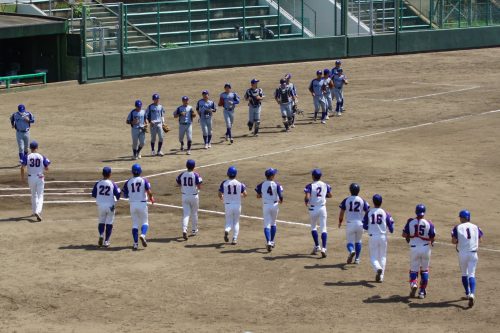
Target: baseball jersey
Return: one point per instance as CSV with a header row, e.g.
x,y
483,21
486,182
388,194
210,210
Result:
x,y
335,71
468,235
328,85
420,231
318,191
338,81
292,87
139,115
35,163
135,189
229,100
250,94
317,86
155,113
377,221
106,192
271,191
355,208
232,190
189,181
17,120
188,117
284,94
205,108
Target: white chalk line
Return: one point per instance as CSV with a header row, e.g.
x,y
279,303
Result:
x,y
45,194
249,217
435,94
441,84
46,189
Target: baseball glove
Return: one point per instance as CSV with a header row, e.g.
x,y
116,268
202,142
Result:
x,y
146,128
165,128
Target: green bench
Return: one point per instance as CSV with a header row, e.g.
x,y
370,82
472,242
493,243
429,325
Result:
x,y
8,79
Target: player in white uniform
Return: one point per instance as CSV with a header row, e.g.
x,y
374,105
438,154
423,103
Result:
x,y
467,237
420,234
271,193
377,222
230,192
138,192
315,200
354,208
106,193
190,184
35,164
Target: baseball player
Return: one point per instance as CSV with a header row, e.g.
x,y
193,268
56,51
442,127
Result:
x,y
106,193
190,184
467,237
420,234
328,91
271,193
35,164
338,82
21,121
377,222
230,192
229,100
335,70
315,200
354,208
138,192
185,114
284,96
254,96
206,108
295,102
138,122
155,115
317,87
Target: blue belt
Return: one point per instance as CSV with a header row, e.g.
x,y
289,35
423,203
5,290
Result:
x,y
185,123
422,245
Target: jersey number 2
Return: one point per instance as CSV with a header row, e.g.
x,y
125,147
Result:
x,y
104,190
356,206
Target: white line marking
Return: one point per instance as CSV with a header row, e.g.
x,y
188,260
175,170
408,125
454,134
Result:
x,y
29,195
46,189
435,94
441,84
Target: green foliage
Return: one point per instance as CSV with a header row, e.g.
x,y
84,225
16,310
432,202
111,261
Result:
x,y
78,10
8,8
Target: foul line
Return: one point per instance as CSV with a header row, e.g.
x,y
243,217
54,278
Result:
x,y
435,94
29,194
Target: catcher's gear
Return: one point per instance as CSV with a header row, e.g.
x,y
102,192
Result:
x,y
296,110
165,128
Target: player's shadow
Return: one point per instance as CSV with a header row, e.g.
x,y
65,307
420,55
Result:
x,y
246,251
444,304
205,246
28,218
341,266
119,159
9,167
93,247
291,256
391,299
362,283
166,240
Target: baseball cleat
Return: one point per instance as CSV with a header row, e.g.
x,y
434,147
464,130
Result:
x,y
421,295
226,236
185,235
471,300
413,291
153,153
269,247
227,137
316,249
327,117
234,242
293,126
379,275
206,145
323,122
38,217
231,140
135,247
194,232
357,261
350,257
188,152
134,157
106,244
323,253
101,240
273,244
182,147
139,156
143,240
160,153
339,114
209,145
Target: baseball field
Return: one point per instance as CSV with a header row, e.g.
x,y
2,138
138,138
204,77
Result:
x,y
422,128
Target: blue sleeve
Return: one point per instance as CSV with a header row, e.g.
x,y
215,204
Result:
x,y
94,190
277,93
125,190
12,119
116,192
178,179
198,106
243,188
342,204
454,232
148,113
406,229
258,189
279,190
432,230
147,185
176,112
236,99
197,179
221,187
328,189
311,86
214,106
389,222
24,161
365,221
32,118
366,206
129,117
46,161
308,188
480,232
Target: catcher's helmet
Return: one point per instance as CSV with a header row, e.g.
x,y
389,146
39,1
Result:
x,y
271,172
420,210
204,92
288,76
33,145
377,199
227,85
21,108
138,103
190,164
185,98
464,214
316,173
106,171
338,62
319,72
354,188
136,169
232,172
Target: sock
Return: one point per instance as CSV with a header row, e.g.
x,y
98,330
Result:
x,y
144,229
273,232
286,124
314,234
350,247
323,115
139,150
341,104
229,133
256,130
21,156
358,247
465,282
424,279
134,151
182,143
205,139
109,230
100,227
315,114
337,108
210,138
267,233
324,237
152,146
413,277
135,235
160,143
472,284
189,145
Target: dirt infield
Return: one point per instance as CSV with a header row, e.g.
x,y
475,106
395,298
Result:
x,y
418,128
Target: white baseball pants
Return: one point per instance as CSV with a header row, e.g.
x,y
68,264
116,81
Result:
x,y
420,258
468,263
378,252
190,205
139,214
36,184
106,215
233,212
270,214
354,232
318,216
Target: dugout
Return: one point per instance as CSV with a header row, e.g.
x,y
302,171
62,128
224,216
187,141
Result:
x,y
30,44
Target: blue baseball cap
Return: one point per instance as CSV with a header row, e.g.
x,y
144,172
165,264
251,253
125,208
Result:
x,y
227,85
254,81
338,62
21,108
185,98
205,92
106,171
316,173
271,172
232,172
420,210
33,145
138,103
156,96
326,71
464,214
190,164
319,72
136,169
377,199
